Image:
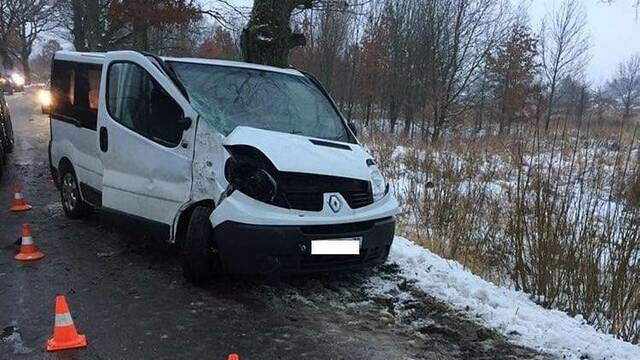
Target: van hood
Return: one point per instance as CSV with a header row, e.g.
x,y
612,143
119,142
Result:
x,y
297,153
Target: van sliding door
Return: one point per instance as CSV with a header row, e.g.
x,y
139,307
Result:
x,y
145,141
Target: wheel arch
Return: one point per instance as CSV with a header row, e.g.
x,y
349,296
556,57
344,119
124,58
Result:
x,y
65,164
182,219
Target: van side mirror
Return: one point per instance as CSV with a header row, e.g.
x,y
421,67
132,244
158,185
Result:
x,y
353,128
185,123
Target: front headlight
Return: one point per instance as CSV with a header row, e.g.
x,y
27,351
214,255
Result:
x,y
44,97
378,184
251,180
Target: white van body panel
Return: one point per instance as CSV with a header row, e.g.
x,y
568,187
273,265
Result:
x,y
76,143
142,177
296,153
209,159
235,64
241,208
80,57
79,146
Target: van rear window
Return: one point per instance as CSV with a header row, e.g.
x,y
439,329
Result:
x,y
75,88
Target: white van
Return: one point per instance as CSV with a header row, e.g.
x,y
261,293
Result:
x,y
247,168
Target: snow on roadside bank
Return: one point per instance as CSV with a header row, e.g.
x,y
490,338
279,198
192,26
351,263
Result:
x,y
506,311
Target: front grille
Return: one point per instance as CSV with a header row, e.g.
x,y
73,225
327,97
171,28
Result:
x,y
306,191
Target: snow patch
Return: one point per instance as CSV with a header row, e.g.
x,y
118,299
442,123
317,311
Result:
x,y
11,335
509,312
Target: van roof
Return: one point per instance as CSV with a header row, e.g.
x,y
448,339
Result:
x,y
98,58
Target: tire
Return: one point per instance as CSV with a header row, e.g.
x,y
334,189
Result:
x,y
5,142
72,204
2,161
10,138
200,260
4,151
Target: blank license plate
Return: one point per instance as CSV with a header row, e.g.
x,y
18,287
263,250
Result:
x,y
348,246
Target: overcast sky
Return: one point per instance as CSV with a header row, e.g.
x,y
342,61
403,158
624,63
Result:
x,y
614,31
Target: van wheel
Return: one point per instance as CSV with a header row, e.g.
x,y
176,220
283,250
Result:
x,y
1,160
200,261
73,205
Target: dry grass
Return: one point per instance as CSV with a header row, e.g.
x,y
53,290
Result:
x,y
555,215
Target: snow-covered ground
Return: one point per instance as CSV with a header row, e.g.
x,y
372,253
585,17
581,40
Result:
x,y
504,310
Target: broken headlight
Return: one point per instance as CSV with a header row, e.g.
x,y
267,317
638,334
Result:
x,y
251,178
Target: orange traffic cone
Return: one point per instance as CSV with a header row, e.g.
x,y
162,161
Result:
x,y
233,356
19,203
28,250
65,335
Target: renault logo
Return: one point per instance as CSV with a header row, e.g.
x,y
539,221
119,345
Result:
x,y
334,203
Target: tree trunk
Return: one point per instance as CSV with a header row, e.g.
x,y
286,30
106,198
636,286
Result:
x,y
78,30
435,135
7,63
141,36
93,27
552,93
26,68
367,114
408,117
267,38
393,113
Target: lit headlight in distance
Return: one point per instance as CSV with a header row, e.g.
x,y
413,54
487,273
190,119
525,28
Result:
x,y
44,98
378,184
17,79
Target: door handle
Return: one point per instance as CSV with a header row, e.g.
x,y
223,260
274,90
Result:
x,y
104,139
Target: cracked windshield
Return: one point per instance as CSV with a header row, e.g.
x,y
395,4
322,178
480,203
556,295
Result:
x,y
228,97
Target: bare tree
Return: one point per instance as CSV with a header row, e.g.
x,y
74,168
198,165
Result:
x,y
564,47
89,26
634,3
41,63
268,37
625,85
6,28
512,70
457,36
31,18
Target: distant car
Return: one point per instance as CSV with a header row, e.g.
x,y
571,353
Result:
x,y
6,132
13,83
5,85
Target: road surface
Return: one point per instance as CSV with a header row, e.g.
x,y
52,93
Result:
x,y
128,296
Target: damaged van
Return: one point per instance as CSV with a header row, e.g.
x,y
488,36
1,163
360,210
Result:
x,y
247,168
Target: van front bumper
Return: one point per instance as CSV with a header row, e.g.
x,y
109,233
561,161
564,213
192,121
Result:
x,y
246,248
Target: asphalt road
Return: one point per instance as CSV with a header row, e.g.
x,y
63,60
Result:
x,y
127,294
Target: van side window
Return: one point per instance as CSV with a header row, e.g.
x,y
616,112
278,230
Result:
x,y
75,88
63,89
87,88
136,101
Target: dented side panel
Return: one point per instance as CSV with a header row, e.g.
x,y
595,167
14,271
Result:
x,y
208,164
